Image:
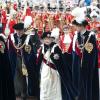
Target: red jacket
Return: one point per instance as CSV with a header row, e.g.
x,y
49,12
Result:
x,y
62,44
11,24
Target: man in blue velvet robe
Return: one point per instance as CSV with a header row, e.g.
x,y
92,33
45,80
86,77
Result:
x,y
22,54
84,68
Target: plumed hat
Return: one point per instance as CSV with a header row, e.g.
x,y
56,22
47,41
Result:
x,y
80,22
78,12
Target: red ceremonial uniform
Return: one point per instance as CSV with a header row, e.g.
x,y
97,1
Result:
x,y
40,29
15,6
51,21
4,19
88,27
44,17
12,22
56,18
28,12
98,43
69,18
65,41
47,27
93,24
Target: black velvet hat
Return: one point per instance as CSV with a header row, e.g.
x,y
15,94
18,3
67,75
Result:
x,y
80,22
46,34
18,26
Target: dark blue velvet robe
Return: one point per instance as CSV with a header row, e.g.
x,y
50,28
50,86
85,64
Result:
x,y
6,79
63,65
29,60
85,74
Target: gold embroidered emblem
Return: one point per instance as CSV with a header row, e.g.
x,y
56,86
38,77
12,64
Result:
x,y
28,48
89,47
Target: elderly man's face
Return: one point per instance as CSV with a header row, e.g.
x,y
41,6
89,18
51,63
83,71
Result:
x,y
20,32
80,28
65,30
47,41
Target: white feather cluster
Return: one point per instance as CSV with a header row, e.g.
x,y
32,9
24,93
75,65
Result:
x,y
27,21
94,13
80,19
55,33
78,12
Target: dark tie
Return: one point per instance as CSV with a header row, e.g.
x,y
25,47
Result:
x,y
80,39
19,41
46,47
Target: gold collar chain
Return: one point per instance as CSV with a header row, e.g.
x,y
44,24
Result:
x,y
88,46
18,48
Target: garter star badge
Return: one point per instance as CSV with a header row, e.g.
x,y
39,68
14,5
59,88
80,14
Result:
x,y
56,56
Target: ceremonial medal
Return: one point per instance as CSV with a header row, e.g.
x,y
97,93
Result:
x,y
28,48
2,47
89,47
56,56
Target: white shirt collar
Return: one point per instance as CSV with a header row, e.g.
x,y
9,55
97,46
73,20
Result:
x,y
67,38
83,31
